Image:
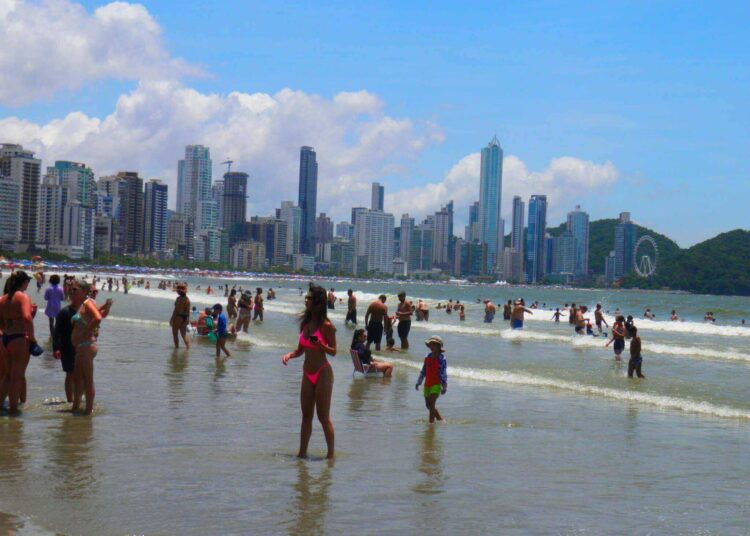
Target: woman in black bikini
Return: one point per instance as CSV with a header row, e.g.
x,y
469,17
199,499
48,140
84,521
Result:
x,y
317,339
16,321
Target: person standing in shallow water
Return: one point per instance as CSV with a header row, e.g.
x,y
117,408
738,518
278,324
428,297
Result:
x,y
317,339
403,313
180,316
54,297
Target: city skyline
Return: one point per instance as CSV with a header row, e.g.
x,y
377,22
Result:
x,y
654,133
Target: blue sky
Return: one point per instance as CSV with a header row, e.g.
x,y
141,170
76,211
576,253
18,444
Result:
x,y
657,89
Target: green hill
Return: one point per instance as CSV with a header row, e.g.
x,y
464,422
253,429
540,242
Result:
x,y
720,265
602,241
717,266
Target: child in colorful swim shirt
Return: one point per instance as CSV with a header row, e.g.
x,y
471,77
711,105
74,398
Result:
x,y
435,375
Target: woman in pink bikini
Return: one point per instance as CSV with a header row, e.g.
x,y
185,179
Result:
x,y
316,339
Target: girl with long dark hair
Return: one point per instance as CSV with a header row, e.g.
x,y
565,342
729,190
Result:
x,y
317,339
17,324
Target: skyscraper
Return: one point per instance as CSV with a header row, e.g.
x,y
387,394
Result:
x,y
292,215
378,196
373,241
625,238
578,226
323,229
10,192
20,165
308,194
194,187
53,197
78,179
78,230
471,231
441,238
130,215
407,228
235,204
490,197
516,232
535,233
155,217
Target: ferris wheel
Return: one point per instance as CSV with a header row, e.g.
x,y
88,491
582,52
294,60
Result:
x,y
645,255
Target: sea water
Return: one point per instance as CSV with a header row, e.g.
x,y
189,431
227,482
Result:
x,y
544,432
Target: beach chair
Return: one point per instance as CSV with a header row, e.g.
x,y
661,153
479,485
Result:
x,y
364,370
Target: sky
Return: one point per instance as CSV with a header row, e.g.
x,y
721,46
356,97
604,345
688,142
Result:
x,y
614,106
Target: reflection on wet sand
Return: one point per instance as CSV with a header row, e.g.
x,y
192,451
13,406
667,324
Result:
x,y
70,452
178,361
311,501
13,453
9,525
431,462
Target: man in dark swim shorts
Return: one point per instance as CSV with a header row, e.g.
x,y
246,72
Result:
x,y
374,321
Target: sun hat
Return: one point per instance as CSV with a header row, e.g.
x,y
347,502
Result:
x,y
436,339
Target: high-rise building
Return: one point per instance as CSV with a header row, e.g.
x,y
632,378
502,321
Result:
x,y
490,197
609,267
626,235
10,210
129,227
345,230
563,254
273,234
248,255
443,224
578,226
217,196
420,247
471,231
104,232
20,165
373,239
355,212
342,256
194,175
155,217
78,179
323,229
308,195
535,244
516,232
78,230
53,197
407,228
292,215
234,212
378,196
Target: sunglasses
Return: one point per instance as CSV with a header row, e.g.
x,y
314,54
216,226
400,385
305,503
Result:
x,y
308,298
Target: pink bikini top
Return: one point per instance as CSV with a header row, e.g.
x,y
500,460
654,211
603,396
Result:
x,y
305,342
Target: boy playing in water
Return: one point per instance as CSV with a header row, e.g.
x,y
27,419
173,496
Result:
x,y
634,365
435,375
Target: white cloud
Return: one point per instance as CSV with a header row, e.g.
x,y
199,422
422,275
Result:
x,y
564,181
150,126
57,44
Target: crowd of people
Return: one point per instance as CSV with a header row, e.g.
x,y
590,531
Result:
x,y
74,331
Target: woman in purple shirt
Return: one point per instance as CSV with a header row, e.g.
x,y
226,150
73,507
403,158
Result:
x,y
54,296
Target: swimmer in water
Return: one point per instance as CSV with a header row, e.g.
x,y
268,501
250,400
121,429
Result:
x,y
556,315
317,339
599,318
618,337
516,317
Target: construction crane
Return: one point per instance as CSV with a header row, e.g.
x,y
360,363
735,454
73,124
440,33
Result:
x,y
228,163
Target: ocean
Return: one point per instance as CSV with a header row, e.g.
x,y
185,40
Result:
x,y
543,433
